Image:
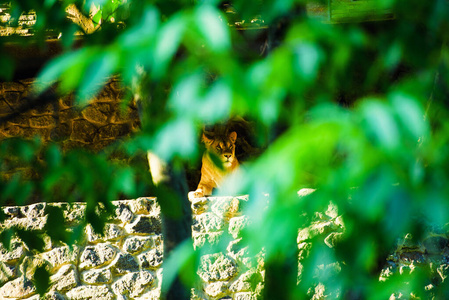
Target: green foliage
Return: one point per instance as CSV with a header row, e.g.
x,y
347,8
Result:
x,y
363,108
41,280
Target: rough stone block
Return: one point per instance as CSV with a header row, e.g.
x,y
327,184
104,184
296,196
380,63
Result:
x,y
214,267
246,282
207,222
21,120
212,238
74,212
123,212
145,225
228,207
199,205
133,284
143,205
124,263
42,121
154,294
18,288
12,211
113,131
65,279
101,292
12,97
137,244
111,232
221,205
13,86
60,256
216,289
97,276
28,224
53,296
16,252
97,256
10,130
61,132
236,224
6,272
151,259
83,131
68,114
43,109
34,297
5,109
244,296
66,102
97,112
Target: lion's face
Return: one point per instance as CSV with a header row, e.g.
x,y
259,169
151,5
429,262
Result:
x,y
223,147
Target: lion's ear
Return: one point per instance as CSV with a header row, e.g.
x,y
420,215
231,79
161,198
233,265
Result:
x,y
207,140
233,136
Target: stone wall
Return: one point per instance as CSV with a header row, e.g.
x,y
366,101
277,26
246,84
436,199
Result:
x,y
92,126
126,262
232,273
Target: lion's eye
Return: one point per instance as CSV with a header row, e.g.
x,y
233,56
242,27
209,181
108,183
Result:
x,y
218,148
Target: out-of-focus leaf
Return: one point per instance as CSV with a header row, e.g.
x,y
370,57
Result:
x,y
41,280
6,236
55,224
393,56
270,105
380,123
186,95
182,258
125,181
59,66
7,69
95,220
96,74
31,239
175,138
49,3
53,156
307,60
216,160
216,104
97,17
411,114
212,25
167,43
24,192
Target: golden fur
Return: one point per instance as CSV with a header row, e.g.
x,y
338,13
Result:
x,y
223,146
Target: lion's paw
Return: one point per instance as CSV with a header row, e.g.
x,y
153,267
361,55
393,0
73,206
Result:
x,y
196,194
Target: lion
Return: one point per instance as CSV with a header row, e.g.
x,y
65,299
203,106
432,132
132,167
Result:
x,y
222,146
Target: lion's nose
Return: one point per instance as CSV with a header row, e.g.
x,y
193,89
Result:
x,y
227,156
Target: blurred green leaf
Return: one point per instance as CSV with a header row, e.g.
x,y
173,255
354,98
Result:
x,y
167,43
307,60
411,114
182,258
174,139
41,280
31,238
96,74
125,181
60,66
7,69
6,236
54,226
211,23
380,123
